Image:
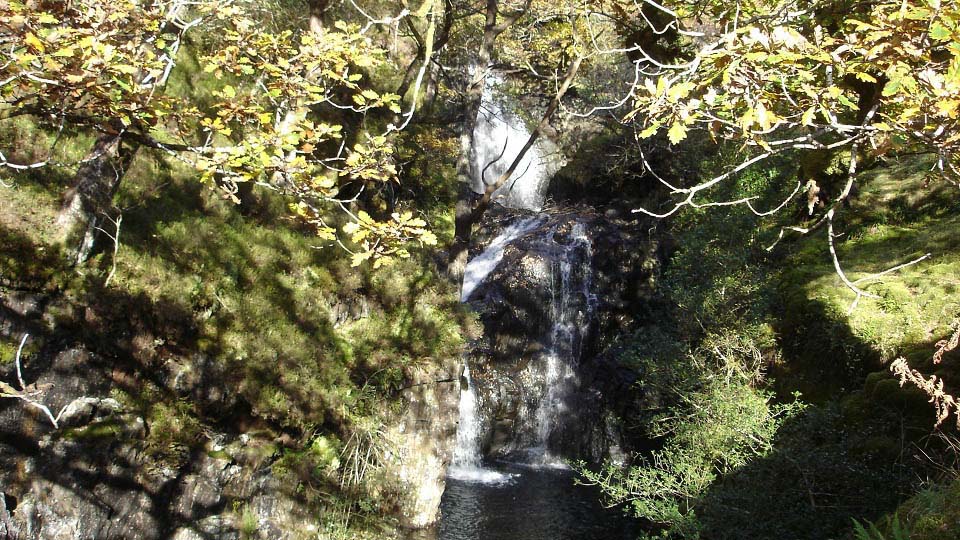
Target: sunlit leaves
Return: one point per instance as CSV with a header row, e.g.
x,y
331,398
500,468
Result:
x,y
768,79
283,145
274,108
677,132
386,240
95,61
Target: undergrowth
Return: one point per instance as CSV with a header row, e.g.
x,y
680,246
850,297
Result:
x,y
237,319
768,410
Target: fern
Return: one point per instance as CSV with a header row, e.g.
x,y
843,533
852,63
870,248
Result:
x,y
897,530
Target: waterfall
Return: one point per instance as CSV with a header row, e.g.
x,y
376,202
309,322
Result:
x,y
467,452
498,138
571,309
546,390
480,266
467,462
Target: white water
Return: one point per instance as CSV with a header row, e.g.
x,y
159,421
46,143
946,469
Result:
x,y
467,452
569,327
498,138
467,462
480,266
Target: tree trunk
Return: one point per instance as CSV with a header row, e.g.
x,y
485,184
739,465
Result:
x,y
318,9
87,202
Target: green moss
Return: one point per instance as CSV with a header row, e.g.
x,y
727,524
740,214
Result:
x,y
221,454
931,514
104,430
242,301
898,216
173,429
857,407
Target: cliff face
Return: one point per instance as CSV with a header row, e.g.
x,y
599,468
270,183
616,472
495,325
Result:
x,y
427,431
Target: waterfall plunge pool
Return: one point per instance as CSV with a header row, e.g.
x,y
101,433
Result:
x,y
532,504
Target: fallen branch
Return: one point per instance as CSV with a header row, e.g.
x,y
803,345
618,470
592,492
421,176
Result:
x,y
894,269
836,265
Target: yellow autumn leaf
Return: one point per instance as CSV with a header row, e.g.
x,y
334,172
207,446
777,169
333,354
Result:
x,y
428,238
365,218
359,258
327,233
649,131
34,42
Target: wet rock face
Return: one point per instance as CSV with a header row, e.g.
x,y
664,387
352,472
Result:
x,y
559,297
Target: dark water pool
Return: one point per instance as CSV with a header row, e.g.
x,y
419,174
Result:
x,y
536,504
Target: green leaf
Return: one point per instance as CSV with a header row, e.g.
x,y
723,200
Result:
x,y
939,32
649,131
677,133
891,88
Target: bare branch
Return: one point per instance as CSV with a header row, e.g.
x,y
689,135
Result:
x,y
116,247
27,393
777,209
838,268
692,191
894,269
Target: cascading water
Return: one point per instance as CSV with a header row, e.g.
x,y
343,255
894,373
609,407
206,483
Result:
x,y
571,317
467,461
498,138
549,382
480,266
522,409
543,295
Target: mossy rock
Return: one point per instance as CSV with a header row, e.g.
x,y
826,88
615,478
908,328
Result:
x,y
932,514
910,399
857,407
879,447
874,378
102,431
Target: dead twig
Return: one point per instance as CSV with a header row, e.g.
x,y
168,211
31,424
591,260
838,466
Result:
x,y
116,247
28,393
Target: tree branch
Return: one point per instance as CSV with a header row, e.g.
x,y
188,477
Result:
x,y
26,393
